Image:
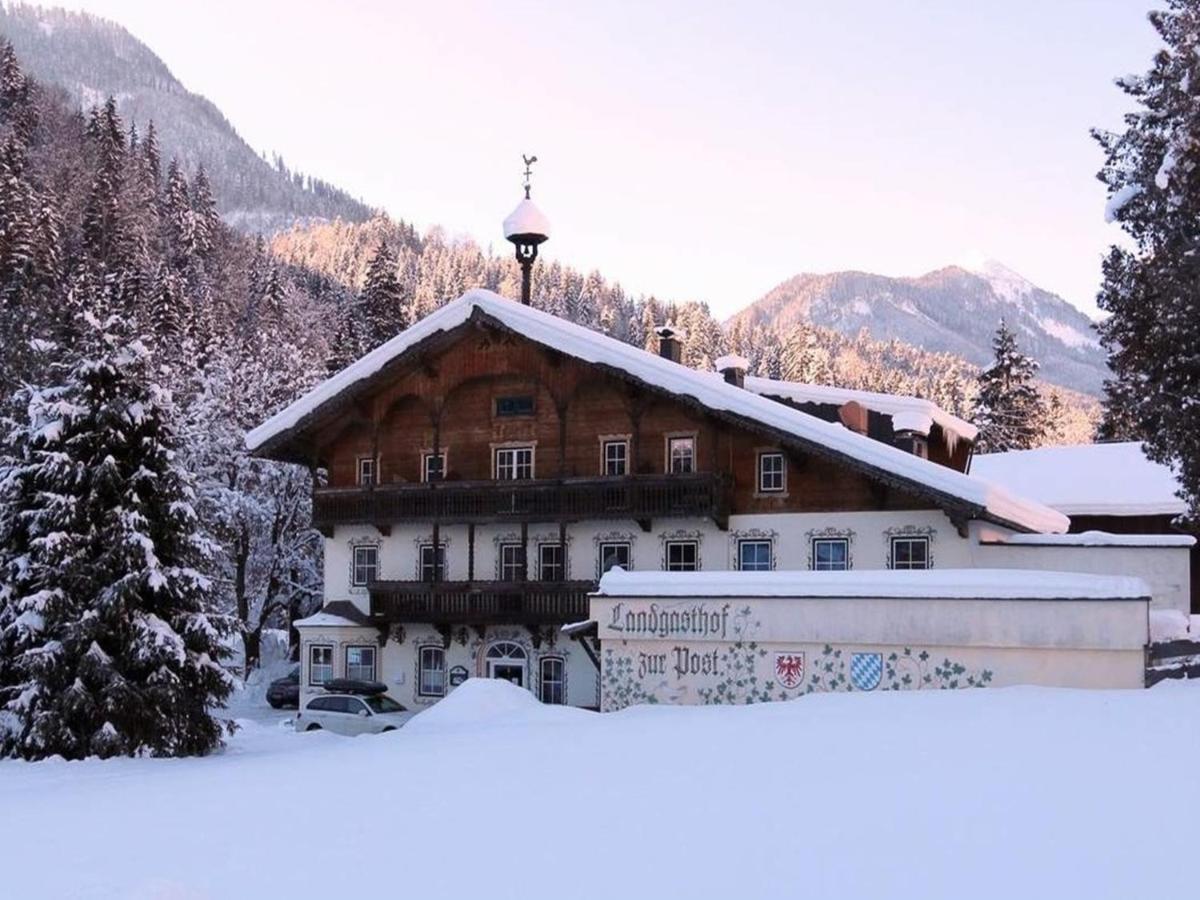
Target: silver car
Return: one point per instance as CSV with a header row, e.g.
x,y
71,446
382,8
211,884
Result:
x,y
352,714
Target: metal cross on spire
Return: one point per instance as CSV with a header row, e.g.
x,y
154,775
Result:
x,y
529,161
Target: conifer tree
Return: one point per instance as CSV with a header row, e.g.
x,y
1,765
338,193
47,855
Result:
x,y
803,359
108,643
383,308
1151,289
1009,411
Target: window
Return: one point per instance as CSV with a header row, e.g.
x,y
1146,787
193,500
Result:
x,y
514,463
552,686
431,571
772,477
431,677
366,470
910,553
831,554
320,664
614,554
514,406
433,466
512,562
681,455
754,556
550,562
366,565
360,663
616,457
682,556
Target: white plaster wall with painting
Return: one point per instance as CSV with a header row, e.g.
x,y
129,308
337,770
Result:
x,y
706,649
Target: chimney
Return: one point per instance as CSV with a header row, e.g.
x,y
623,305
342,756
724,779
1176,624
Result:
x,y
670,342
854,416
733,369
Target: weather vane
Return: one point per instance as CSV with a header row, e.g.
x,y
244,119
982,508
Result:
x,y
529,161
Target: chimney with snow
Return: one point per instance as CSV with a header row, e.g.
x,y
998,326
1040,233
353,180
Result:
x,y
670,342
733,369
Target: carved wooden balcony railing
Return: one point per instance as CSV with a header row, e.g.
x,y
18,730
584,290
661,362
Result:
x,y
481,602
641,497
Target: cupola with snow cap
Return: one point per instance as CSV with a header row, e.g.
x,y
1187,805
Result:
x,y
527,226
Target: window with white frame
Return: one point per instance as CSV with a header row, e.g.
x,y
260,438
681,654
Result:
x,y
616,457
772,473
615,553
514,463
431,673
320,664
360,663
433,566
366,470
365,565
552,681
551,562
754,556
681,455
683,556
433,466
910,552
512,562
831,554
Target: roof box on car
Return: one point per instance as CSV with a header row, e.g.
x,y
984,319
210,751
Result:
x,y
354,686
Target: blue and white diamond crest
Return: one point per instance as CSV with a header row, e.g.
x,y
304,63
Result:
x,y
865,670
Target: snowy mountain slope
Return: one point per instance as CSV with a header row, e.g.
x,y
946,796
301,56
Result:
x,y
91,58
954,310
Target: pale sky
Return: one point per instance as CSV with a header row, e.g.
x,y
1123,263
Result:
x,y
696,150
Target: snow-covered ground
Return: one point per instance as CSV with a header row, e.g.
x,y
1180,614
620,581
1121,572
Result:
x,y
1017,792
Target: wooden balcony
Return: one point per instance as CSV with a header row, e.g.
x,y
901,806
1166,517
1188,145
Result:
x,y
640,497
481,602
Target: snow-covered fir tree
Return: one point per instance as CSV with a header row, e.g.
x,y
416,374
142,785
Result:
x,y
1151,289
1009,411
107,633
382,307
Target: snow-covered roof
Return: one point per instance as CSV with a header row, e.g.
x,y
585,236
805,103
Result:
x,y
1099,539
705,388
991,584
325,620
526,219
917,409
1087,479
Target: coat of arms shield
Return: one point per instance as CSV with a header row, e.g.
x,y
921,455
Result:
x,y
865,670
789,669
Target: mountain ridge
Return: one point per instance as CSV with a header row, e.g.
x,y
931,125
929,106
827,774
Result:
x,y
91,58
950,309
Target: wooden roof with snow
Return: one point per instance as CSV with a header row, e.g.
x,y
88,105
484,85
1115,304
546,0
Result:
x,y
961,495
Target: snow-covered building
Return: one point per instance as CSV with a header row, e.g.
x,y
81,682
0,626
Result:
x,y
485,467
1112,488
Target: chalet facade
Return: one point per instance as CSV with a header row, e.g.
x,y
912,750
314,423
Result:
x,y
483,469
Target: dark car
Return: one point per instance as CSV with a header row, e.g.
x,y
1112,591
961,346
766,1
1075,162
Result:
x,y
285,691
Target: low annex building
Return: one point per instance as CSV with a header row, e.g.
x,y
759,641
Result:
x,y
481,471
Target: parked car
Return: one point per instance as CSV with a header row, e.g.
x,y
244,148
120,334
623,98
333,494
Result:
x,y
285,691
346,713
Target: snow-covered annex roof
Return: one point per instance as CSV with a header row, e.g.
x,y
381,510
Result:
x,y
991,584
890,464
1087,479
906,411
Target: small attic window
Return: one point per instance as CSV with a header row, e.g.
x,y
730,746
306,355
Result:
x,y
521,405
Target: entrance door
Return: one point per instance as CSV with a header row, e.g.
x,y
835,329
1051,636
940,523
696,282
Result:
x,y
508,672
506,660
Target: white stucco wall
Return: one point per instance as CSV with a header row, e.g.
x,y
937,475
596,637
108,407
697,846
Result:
x,y
396,661
1166,569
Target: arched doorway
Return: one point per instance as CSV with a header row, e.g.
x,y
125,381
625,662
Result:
x,y
506,660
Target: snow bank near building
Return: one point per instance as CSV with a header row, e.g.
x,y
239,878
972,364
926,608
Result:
x,y
491,701
1002,793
